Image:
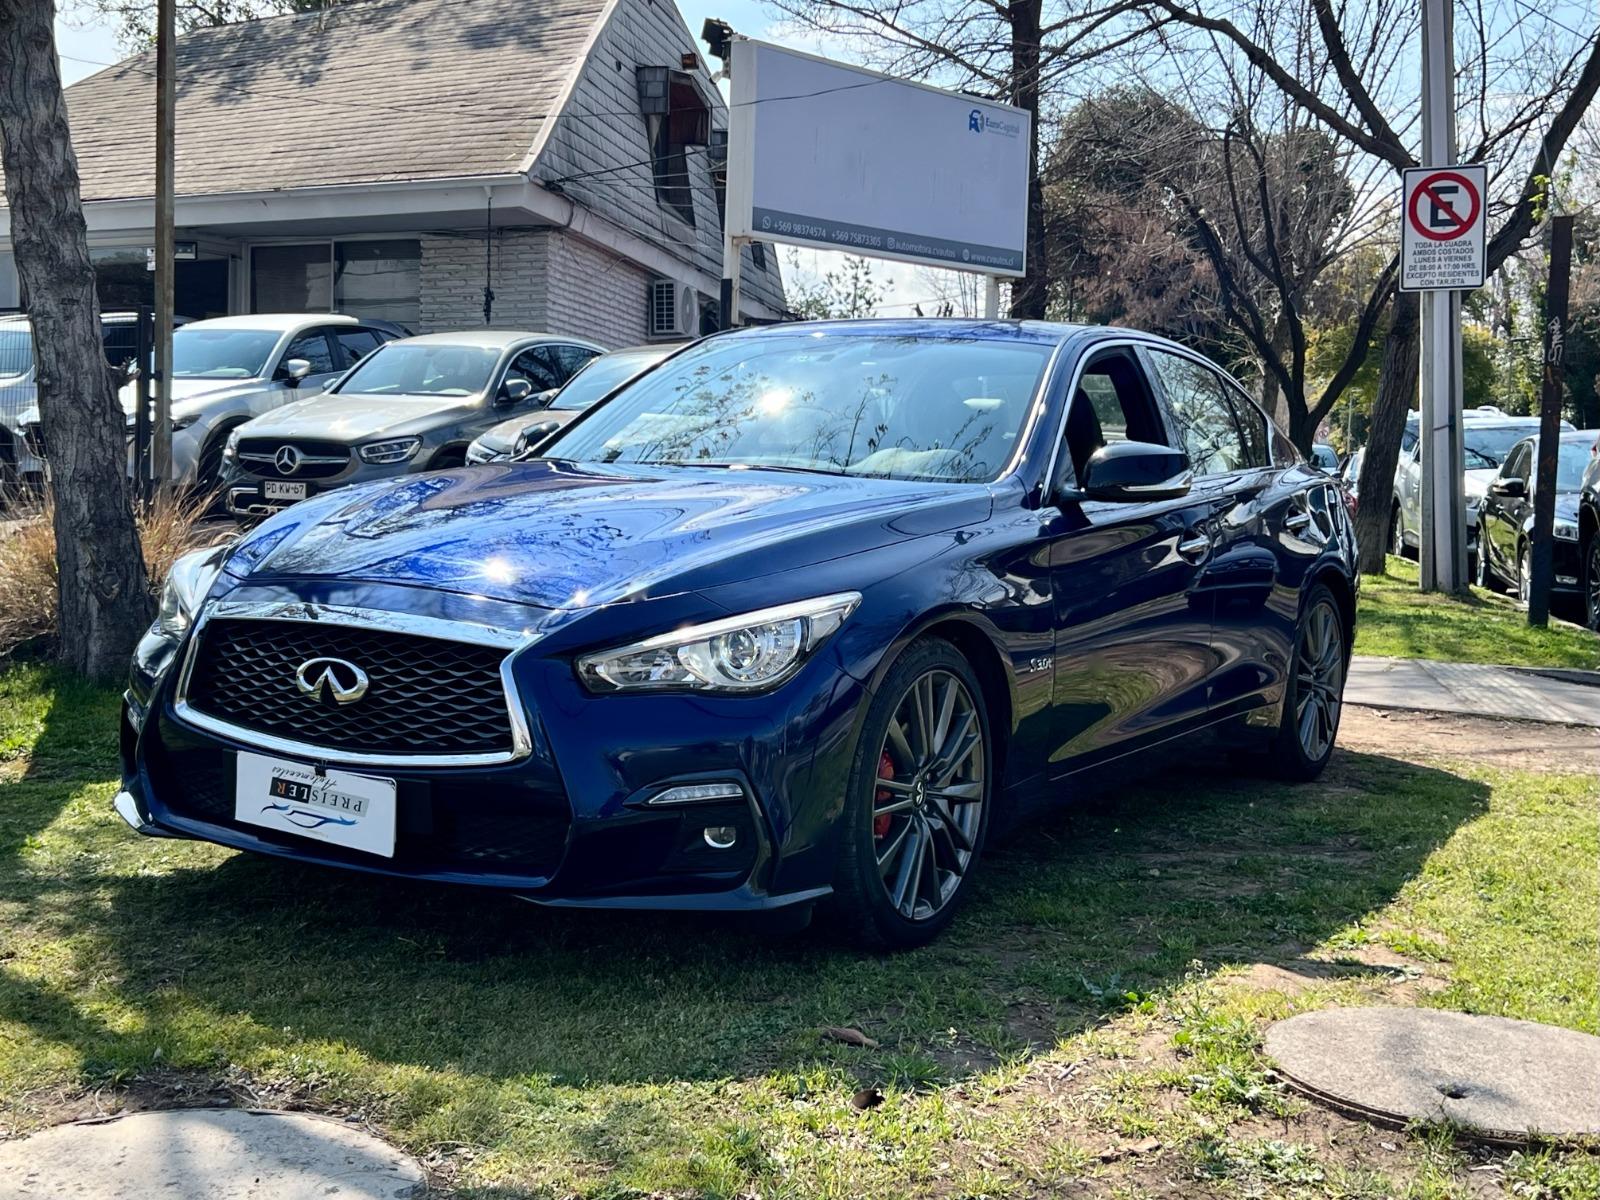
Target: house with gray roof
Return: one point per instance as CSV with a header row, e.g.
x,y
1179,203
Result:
x,y
540,164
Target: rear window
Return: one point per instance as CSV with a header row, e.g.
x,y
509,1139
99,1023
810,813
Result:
x,y
16,351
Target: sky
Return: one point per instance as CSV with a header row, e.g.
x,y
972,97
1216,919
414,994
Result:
x,y
86,42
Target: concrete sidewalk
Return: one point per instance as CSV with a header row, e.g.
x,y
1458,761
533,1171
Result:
x,y
1468,689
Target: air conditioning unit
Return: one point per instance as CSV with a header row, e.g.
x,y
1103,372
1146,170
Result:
x,y
674,309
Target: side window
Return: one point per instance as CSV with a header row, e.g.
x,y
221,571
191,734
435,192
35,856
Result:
x,y
1520,465
356,344
1408,442
1253,429
1112,403
1207,427
313,347
539,366
572,359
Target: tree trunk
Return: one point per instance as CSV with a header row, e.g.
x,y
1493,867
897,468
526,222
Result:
x,y
1030,295
1397,387
104,595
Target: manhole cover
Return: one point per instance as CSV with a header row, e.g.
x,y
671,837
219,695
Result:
x,y
1503,1079
206,1154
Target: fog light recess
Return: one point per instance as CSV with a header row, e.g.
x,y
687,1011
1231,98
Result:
x,y
721,837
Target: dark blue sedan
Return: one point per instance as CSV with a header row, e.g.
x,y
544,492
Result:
x,y
803,613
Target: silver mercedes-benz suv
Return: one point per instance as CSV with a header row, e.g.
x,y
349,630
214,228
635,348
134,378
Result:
x,y
413,405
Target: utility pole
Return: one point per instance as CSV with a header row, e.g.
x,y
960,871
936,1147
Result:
x,y
1544,495
1443,558
166,102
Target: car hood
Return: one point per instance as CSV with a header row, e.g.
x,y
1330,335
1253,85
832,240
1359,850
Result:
x,y
189,394
356,417
1476,483
557,535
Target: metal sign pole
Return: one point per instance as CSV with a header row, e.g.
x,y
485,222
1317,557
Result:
x,y
991,297
143,348
166,264
1443,558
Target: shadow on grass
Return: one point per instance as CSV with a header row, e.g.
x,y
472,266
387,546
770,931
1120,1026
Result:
x,y
215,959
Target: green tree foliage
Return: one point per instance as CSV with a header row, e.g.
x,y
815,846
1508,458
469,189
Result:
x,y
850,291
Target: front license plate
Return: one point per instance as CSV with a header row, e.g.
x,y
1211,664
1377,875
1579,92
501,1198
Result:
x,y
276,489
356,811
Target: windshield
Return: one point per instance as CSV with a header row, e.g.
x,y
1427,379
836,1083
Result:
x,y
1487,448
16,350
422,369
602,375
944,409
199,353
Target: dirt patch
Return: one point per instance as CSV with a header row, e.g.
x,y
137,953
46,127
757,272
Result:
x,y
1521,745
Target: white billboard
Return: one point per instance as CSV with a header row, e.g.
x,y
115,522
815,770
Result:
x,y
827,155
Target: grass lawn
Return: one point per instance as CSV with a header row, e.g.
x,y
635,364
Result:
x,y
1091,1026
1398,621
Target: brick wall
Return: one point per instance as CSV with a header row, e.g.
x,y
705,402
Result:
x,y
595,295
452,282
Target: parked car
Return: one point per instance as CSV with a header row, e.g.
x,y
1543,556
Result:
x,y
1589,534
1350,476
1325,458
601,377
226,370
1487,437
803,613
415,405
21,443
1505,551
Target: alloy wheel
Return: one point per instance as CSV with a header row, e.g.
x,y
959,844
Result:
x,y
1319,680
928,799
1525,576
1397,536
1592,592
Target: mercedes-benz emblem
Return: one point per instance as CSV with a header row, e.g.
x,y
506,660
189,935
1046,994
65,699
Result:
x,y
287,460
345,681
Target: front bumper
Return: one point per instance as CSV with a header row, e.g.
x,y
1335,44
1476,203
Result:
x,y
569,823
245,490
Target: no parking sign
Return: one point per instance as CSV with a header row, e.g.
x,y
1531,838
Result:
x,y
1442,228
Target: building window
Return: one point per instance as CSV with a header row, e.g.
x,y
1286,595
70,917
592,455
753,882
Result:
x,y
379,279
678,120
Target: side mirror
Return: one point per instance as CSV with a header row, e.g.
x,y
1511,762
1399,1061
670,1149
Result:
x,y
1135,473
542,399
514,391
1512,488
294,370
530,438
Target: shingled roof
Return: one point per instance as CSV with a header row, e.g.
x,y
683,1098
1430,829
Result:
x,y
382,90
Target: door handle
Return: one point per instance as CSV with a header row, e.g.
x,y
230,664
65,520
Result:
x,y
1195,547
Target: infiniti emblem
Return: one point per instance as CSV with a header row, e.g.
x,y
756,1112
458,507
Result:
x,y
346,681
287,460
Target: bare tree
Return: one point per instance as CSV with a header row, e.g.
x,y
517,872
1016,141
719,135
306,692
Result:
x,y
136,18
104,598
1526,80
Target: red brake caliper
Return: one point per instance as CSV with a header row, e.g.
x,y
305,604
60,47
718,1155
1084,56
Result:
x,y
880,823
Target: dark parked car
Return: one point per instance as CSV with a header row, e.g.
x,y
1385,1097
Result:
x,y
1589,533
801,614
1505,551
598,378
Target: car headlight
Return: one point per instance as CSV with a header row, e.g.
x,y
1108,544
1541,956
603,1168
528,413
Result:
x,y
1565,530
184,422
187,583
395,450
746,653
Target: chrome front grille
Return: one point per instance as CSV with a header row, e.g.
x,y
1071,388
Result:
x,y
273,458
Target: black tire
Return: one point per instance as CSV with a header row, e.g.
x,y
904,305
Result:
x,y
208,469
864,904
1487,579
1291,754
1397,535
449,459
1591,583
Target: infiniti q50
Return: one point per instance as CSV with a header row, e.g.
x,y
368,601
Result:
x,y
802,614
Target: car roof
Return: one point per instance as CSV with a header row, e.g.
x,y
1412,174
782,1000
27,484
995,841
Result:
x,y
1046,333
278,322
493,339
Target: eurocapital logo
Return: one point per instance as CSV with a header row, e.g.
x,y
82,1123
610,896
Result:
x,y
979,121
